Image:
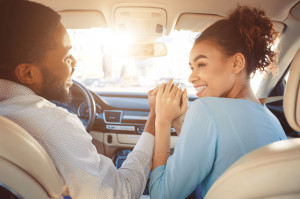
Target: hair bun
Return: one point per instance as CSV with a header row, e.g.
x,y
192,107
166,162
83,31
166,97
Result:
x,y
258,34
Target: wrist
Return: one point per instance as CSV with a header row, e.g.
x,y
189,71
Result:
x,y
177,123
151,114
150,124
162,122
177,129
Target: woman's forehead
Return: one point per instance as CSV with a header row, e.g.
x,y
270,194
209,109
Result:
x,y
205,49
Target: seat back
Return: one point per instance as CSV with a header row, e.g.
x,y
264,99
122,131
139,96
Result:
x,y
291,102
26,168
272,171
268,172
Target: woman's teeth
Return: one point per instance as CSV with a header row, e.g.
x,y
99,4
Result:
x,y
200,88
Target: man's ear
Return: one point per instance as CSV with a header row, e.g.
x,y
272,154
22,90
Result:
x,y
28,74
239,63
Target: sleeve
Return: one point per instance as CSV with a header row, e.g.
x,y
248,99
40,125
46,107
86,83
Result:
x,y
88,174
193,157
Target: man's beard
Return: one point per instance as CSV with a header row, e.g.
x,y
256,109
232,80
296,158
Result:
x,y
54,88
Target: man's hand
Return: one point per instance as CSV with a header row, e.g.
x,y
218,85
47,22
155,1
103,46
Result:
x,y
152,99
150,124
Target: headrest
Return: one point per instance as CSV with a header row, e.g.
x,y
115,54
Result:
x,y
20,148
291,99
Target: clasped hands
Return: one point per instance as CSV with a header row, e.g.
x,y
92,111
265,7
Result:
x,y
168,104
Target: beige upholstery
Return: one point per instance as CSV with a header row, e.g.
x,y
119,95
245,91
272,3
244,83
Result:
x,y
291,103
25,166
268,172
272,171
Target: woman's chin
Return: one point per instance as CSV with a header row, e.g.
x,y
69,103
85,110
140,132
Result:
x,y
201,94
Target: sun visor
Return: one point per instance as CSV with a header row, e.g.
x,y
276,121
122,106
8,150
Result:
x,y
296,11
82,19
195,22
140,22
199,22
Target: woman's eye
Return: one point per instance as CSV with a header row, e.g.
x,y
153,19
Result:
x,y
201,65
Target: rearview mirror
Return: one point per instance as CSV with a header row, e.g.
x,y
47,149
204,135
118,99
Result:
x,y
147,50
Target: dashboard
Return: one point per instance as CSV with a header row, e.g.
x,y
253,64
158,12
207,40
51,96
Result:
x,y
120,120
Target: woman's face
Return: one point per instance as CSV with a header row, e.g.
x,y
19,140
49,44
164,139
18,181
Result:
x,y
212,74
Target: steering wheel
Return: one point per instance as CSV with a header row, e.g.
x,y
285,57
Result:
x,y
90,104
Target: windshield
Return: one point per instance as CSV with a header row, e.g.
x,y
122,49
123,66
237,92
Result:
x,y
101,66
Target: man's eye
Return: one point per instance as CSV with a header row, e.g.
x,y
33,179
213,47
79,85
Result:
x,y
68,57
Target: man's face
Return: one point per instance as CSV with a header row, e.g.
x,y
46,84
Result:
x,y
57,68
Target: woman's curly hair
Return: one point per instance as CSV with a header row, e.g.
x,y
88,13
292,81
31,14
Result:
x,y
247,31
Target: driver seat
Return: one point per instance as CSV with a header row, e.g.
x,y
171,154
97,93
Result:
x,y
271,171
26,171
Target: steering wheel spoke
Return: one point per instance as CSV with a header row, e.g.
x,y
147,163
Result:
x,y
91,105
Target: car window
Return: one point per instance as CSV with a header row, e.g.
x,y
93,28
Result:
x,y
287,76
101,66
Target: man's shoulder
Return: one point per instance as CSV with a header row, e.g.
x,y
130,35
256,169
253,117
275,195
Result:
x,y
35,109
42,106
51,111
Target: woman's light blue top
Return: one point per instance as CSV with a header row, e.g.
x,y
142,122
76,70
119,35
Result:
x,y
216,132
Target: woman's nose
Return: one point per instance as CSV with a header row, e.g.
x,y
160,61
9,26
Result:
x,y
193,77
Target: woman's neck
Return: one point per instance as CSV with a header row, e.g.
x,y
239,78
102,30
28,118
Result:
x,y
242,90
248,94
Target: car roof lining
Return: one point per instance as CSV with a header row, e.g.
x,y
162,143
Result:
x,y
277,10
198,22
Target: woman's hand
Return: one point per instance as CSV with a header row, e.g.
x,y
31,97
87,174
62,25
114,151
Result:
x,y
171,102
178,122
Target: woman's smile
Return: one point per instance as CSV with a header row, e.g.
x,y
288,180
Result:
x,y
199,89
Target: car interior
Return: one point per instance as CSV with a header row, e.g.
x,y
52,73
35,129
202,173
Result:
x,y
123,49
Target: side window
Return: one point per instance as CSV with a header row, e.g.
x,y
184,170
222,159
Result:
x,y
287,76
277,108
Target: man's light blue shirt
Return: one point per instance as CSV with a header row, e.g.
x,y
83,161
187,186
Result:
x,y
216,132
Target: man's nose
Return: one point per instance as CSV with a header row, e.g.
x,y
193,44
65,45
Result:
x,y
74,62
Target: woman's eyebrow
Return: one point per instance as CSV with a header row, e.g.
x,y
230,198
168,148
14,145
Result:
x,y
199,57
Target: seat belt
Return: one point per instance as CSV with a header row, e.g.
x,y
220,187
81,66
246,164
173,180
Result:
x,y
267,100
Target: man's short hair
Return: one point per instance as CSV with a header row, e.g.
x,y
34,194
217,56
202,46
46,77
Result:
x,y
26,33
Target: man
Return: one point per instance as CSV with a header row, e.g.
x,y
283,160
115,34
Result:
x,y
36,66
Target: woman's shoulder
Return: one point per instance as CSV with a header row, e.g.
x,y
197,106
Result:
x,y
218,105
221,101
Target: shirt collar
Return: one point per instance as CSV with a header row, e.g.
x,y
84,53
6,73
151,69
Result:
x,y
11,89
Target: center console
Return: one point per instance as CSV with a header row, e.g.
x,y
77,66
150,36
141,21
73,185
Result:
x,y
120,157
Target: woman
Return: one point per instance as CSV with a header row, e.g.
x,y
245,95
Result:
x,y
227,121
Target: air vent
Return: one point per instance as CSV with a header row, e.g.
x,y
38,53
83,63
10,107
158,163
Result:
x,y
112,116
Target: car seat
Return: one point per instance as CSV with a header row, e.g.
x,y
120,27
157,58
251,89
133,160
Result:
x,y
26,170
271,171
